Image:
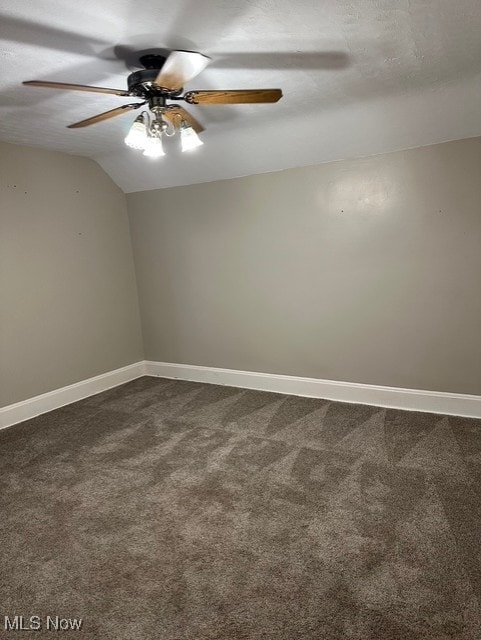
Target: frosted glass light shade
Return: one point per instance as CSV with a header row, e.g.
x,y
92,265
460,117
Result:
x,y
153,147
189,139
137,136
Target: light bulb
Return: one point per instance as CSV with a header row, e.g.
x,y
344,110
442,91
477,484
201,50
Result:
x,y
137,136
189,139
153,147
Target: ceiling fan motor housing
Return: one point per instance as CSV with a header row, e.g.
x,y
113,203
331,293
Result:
x,y
152,61
141,84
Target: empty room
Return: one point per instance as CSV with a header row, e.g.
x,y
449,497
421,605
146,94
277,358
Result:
x,y
240,313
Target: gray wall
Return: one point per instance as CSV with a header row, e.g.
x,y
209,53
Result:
x,y
68,299
364,271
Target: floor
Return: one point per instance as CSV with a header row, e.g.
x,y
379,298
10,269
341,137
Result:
x,y
173,510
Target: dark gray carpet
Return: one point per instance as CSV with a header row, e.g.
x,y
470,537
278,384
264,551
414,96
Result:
x,y
173,510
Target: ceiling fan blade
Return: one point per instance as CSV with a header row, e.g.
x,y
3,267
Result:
x,y
173,113
180,67
74,87
237,96
125,108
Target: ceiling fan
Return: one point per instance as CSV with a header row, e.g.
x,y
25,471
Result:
x,y
162,79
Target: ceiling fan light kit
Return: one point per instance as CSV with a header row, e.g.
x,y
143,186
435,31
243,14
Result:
x,y
146,133
163,79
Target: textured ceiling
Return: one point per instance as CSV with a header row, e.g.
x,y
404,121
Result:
x,y
358,76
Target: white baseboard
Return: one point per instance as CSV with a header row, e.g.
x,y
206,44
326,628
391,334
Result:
x,y
32,407
393,397
456,404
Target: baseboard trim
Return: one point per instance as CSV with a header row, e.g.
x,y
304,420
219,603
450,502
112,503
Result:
x,y
456,404
392,397
32,407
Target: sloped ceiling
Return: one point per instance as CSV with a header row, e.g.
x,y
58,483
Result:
x,y
359,77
